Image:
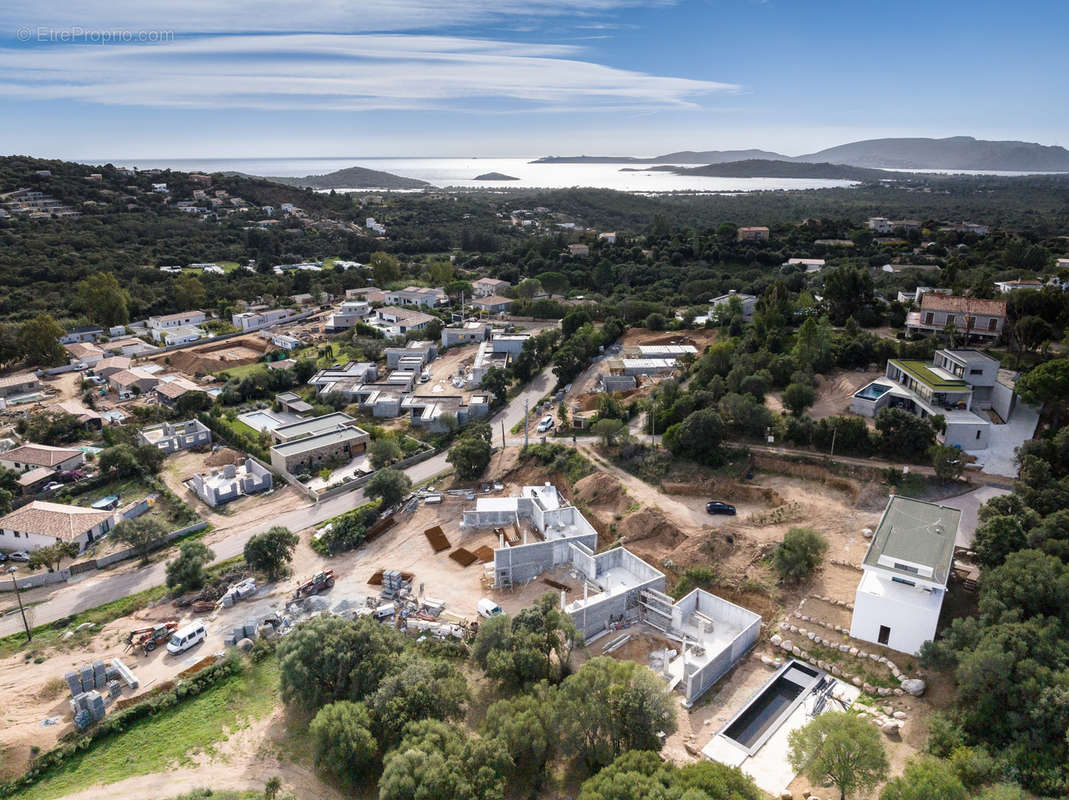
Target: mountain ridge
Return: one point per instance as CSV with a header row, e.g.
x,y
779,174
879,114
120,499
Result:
x,y
352,178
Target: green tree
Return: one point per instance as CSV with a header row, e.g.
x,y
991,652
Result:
x,y
330,658
104,299
903,435
120,459
839,747
642,775
812,347
189,292
610,706
470,456
389,485
996,537
51,556
847,289
142,534
422,689
925,778
609,430
655,322
798,397
528,728
384,451
186,572
534,645
798,554
948,462
553,282
496,381
1047,384
384,268
436,760
38,342
1031,332
441,272
271,552
698,437
342,744
6,496
529,288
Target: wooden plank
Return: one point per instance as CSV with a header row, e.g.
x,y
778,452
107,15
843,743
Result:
x,y
436,536
463,557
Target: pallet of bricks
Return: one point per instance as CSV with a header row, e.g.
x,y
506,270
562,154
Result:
x,y
87,703
393,584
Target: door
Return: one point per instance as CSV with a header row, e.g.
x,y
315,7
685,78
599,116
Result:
x,y
885,635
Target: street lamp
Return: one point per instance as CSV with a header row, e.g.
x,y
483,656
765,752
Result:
x,y
22,610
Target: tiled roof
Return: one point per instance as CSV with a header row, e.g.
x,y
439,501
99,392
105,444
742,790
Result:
x,y
964,305
54,519
40,454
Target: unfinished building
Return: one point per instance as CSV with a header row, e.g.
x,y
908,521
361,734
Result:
x,y
539,532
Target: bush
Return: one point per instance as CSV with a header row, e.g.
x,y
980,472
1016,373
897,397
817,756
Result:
x,y
798,554
186,572
270,552
342,744
695,578
388,485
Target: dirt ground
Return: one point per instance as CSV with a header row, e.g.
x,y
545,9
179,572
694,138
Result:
x,y
214,357
834,391
236,514
453,361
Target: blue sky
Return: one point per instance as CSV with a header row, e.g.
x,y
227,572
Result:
x,y
263,78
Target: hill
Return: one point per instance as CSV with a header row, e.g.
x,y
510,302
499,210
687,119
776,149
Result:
x,y
765,168
956,152
494,176
353,178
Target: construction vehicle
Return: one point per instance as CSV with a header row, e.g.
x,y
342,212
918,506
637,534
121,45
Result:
x,y
319,582
147,639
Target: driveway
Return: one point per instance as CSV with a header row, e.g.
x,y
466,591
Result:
x,y
997,459
968,504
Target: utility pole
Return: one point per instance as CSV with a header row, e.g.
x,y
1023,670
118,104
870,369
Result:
x,y
834,433
22,610
526,402
502,435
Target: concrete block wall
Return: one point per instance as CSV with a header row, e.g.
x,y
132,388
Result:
x,y
526,562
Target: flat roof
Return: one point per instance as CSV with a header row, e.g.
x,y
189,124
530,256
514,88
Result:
x,y
927,375
916,532
335,436
315,425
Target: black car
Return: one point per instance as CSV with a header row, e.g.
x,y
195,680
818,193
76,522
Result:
x,y
716,507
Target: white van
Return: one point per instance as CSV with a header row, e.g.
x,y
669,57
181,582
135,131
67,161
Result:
x,y
187,637
488,608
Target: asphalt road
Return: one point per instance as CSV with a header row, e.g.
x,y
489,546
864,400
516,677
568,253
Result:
x,y
104,587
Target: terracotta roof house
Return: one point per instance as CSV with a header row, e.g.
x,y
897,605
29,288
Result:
x,y
492,304
125,381
106,367
972,316
30,456
85,352
40,524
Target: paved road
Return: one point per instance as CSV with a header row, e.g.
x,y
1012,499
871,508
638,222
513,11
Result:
x,y
968,504
104,587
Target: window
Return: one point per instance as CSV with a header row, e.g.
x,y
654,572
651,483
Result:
x,y
884,636
977,434
976,372
929,318
903,581
992,324
950,319
970,322
907,568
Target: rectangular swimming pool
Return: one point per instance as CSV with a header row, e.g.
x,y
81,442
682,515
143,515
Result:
x,y
767,709
874,391
260,420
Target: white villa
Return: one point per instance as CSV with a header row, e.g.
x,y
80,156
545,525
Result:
x,y
906,569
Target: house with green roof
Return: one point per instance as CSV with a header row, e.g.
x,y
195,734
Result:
x,y
956,385
905,574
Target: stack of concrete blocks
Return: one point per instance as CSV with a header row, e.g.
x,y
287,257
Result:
x,y
87,707
124,672
247,631
238,591
392,583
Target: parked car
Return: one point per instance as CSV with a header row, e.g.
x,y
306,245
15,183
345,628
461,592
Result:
x,y
48,487
21,555
187,637
546,423
3,557
717,507
425,377
488,608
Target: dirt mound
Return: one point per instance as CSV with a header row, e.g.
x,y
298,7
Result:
x,y
222,457
726,490
218,356
603,491
651,530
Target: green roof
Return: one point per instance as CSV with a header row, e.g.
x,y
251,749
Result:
x,y
916,532
923,373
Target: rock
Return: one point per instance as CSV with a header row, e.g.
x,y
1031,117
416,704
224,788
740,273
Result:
x,y
915,686
245,645
862,654
883,691
784,626
797,651
853,651
85,626
66,635
768,662
899,715
868,688
898,693
787,644
844,648
891,728
874,656
856,681
810,635
888,710
776,639
836,670
794,629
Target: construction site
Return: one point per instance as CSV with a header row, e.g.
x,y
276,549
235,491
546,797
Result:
x,y
213,357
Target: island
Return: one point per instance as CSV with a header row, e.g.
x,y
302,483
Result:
x,y
353,178
494,176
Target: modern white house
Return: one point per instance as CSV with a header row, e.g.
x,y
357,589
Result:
x,y
747,302
810,264
39,524
956,385
1005,287
395,321
417,296
171,322
255,320
348,314
230,482
905,574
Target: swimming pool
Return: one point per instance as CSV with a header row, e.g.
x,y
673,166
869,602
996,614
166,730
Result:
x,y
874,391
260,420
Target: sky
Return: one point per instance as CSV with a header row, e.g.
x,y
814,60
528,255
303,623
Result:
x,y
122,79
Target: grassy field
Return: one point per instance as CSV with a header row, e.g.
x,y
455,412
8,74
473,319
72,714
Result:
x,y
172,737
131,489
243,371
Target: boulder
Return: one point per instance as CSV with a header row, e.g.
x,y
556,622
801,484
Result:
x,y
915,686
776,639
856,681
899,715
853,651
891,728
787,644
245,645
888,710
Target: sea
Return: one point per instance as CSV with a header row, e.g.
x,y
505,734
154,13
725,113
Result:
x,y
461,173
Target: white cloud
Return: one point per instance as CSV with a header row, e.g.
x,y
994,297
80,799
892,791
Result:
x,y
340,72
244,16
